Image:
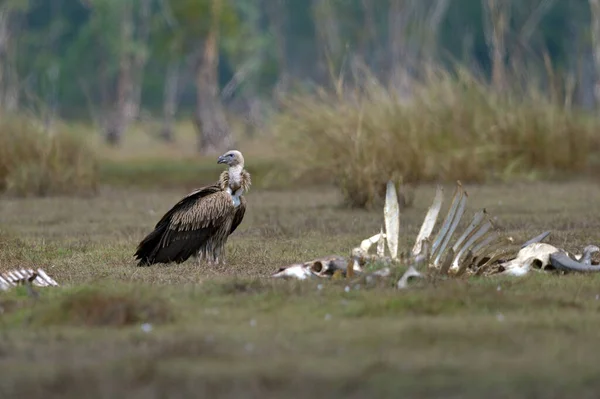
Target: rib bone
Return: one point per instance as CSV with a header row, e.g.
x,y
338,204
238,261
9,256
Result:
x,y
391,213
456,219
429,221
458,194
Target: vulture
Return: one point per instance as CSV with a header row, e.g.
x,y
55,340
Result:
x,y
200,223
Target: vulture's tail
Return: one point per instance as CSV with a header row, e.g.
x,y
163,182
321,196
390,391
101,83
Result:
x,y
146,250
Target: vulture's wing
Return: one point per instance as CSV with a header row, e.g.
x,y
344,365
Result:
x,y
183,229
187,200
239,214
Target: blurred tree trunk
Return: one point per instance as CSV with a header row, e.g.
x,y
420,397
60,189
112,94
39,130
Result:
x,y
213,129
9,89
170,100
132,61
497,20
140,57
276,14
117,120
595,28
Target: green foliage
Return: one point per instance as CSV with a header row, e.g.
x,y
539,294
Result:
x,y
33,162
81,41
453,128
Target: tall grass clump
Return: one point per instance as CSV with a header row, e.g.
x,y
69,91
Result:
x,y
452,126
35,163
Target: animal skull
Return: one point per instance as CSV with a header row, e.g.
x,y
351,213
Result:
x,y
536,255
322,267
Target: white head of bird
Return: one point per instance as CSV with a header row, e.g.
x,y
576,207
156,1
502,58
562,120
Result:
x,y
235,160
232,158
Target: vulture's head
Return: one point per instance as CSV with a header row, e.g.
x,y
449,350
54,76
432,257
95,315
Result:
x,y
231,158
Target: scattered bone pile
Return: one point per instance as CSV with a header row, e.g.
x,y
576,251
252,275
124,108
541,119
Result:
x,y
38,278
480,249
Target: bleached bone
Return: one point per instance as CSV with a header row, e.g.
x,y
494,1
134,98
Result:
x,y
410,272
298,271
447,262
381,244
521,268
588,251
452,218
46,278
12,278
483,229
533,252
456,198
538,238
561,261
429,221
424,256
495,257
391,211
477,219
322,267
493,252
484,244
366,244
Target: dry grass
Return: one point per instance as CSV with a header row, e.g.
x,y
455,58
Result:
x,y
35,163
454,127
143,160
230,332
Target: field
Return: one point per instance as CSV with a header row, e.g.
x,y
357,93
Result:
x,y
116,330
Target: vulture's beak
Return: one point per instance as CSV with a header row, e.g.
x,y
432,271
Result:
x,y
221,159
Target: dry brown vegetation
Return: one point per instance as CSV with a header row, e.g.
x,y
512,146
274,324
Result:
x,y
231,332
34,162
455,127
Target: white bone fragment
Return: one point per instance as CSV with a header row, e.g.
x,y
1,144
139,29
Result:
x,y
296,271
410,272
429,221
391,213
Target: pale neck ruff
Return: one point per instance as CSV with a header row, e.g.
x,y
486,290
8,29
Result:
x,y
235,175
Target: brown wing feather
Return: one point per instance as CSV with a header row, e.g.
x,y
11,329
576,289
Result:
x,y
239,214
189,199
183,229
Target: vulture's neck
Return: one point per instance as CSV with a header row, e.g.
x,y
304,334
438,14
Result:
x,y
235,181
235,177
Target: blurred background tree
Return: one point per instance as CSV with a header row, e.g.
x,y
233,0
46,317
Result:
x,y
112,62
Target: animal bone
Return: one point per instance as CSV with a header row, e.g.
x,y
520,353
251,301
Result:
x,y
429,221
15,277
322,267
537,251
297,270
391,212
561,261
381,244
479,249
538,238
474,237
588,251
458,194
457,215
410,272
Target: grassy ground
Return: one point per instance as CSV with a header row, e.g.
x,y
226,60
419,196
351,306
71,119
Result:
x,y
230,332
